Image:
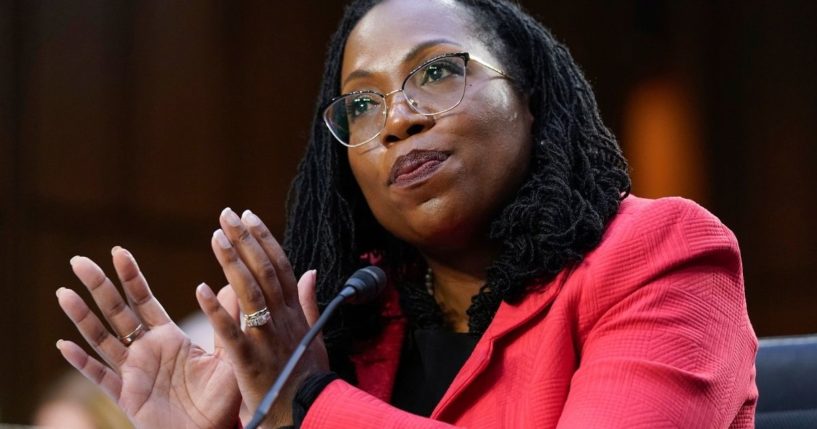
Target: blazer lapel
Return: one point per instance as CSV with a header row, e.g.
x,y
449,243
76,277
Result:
x,y
376,365
508,318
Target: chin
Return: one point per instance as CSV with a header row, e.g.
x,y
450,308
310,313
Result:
x,y
444,231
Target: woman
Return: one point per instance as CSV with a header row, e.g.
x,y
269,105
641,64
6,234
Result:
x,y
467,158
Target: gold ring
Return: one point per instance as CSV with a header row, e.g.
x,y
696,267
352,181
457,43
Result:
x,y
130,338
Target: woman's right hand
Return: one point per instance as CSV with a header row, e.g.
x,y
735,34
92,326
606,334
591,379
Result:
x,y
161,380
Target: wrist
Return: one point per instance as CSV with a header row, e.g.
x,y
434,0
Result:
x,y
308,391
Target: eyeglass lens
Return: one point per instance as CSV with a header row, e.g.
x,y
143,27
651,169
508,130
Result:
x,y
433,88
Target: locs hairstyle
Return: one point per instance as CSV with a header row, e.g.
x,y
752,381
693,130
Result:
x,y
575,183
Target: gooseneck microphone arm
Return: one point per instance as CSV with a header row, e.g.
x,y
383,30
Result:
x,y
363,286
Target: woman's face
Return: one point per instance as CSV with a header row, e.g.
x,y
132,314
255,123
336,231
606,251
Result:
x,y
464,163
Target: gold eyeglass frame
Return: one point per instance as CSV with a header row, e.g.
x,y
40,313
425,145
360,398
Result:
x,y
466,57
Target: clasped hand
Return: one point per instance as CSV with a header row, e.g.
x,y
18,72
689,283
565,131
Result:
x,y
160,378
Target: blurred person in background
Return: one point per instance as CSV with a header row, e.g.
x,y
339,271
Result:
x,y
73,402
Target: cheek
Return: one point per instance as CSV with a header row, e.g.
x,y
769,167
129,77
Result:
x,y
364,171
501,127
388,213
369,177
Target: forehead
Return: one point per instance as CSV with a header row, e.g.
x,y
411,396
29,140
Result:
x,y
382,38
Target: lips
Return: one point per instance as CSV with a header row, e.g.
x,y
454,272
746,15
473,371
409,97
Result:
x,y
415,165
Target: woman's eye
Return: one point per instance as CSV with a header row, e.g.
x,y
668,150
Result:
x,y
434,73
359,106
438,71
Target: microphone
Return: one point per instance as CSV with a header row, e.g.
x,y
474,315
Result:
x,y
362,287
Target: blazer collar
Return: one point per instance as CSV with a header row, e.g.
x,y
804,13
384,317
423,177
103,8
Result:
x,y
376,365
508,318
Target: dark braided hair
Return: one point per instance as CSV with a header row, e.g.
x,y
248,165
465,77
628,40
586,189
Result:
x,y
576,181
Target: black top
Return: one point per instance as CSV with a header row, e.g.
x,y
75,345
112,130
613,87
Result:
x,y
430,360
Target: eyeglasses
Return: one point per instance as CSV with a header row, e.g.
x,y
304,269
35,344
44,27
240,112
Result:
x,y
435,87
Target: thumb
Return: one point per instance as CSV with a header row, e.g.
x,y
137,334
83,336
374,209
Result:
x,y
227,299
307,296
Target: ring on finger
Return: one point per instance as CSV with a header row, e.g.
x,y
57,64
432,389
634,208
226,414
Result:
x,y
133,335
259,318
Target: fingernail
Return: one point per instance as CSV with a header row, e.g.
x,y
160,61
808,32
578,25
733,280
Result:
x,y
58,291
114,249
222,239
250,218
314,274
73,260
230,216
59,343
205,291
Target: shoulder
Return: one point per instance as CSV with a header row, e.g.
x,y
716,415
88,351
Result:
x,y
660,229
667,246
664,216
657,318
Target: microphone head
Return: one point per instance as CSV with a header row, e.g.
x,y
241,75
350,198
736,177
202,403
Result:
x,y
367,283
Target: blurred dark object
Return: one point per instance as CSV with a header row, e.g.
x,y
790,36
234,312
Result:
x,y
787,383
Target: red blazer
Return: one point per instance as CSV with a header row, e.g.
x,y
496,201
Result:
x,y
649,331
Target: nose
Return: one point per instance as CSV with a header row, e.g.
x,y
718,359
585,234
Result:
x,y
402,121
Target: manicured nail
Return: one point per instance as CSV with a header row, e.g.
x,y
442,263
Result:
x,y
221,239
115,249
250,218
59,343
229,215
74,259
205,291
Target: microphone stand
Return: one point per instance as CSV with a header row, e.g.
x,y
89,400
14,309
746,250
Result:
x,y
353,287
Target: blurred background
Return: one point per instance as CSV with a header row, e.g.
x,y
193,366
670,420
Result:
x,y
135,123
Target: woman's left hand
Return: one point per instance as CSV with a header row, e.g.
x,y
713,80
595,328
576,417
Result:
x,y
261,276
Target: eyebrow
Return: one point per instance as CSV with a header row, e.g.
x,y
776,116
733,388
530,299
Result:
x,y
410,55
